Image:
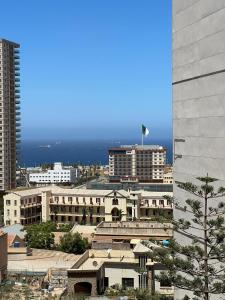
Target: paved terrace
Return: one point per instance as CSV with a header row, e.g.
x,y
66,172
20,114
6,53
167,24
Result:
x,y
41,261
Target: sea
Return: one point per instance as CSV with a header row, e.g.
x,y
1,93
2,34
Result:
x,y
84,152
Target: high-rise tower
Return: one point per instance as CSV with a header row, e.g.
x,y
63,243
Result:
x,y
9,112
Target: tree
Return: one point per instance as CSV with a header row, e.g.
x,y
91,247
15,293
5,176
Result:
x,y
40,235
73,243
199,266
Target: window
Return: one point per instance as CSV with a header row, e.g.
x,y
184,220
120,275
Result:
x,y
8,212
106,282
115,201
7,202
15,213
127,283
161,202
165,282
15,202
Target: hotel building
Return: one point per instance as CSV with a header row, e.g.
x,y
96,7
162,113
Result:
x,y
137,163
9,112
84,206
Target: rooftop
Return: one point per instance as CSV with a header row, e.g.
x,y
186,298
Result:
x,y
93,260
138,147
135,224
81,191
15,229
9,42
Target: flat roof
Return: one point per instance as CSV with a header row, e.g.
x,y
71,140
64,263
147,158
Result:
x,y
82,192
9,42
138,147
98,257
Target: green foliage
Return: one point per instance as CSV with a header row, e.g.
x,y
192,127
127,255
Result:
x,y
138,294
73,243
40,235
64,227
200,266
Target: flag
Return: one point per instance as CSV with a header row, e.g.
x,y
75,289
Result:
x,y
145,130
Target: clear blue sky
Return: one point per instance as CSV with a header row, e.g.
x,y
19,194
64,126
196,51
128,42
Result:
x,y
92,68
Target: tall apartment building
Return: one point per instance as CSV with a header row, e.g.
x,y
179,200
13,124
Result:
x,y
9,112
137,163
198,96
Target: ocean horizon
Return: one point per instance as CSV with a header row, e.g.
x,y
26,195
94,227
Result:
x,y
86,152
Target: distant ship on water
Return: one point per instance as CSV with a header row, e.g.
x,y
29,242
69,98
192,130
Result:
x,y
45,146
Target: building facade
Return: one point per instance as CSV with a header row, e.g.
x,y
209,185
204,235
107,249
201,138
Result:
x,y
83,206
57,175
136,230
3,255
137,163
198,97
97,270
9,112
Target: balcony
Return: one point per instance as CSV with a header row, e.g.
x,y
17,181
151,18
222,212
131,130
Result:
x,y
16,63
18,130
17,68
18,136
18,124
17,91
18,141
17,96
18,113
17,79
16,51
16,56
17,73
17,85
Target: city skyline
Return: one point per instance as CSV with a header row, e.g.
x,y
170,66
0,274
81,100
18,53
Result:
x,y
89,68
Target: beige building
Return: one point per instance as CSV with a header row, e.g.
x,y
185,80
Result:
x,y
3,255
133,231
9,112
85,206
137,163
98,269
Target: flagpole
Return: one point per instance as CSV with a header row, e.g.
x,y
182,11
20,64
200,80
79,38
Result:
x,y
142,139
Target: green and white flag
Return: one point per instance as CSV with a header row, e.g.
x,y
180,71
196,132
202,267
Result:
x,y
145,130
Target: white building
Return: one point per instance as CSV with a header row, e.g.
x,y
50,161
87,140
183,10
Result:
x,y
57,175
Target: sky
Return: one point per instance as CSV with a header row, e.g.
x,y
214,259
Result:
x,y
92,68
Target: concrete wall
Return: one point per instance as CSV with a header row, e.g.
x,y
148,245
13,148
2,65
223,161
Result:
x,y
115,275
3,255
198,94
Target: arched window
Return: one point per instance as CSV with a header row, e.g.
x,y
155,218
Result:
x,y
115,201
